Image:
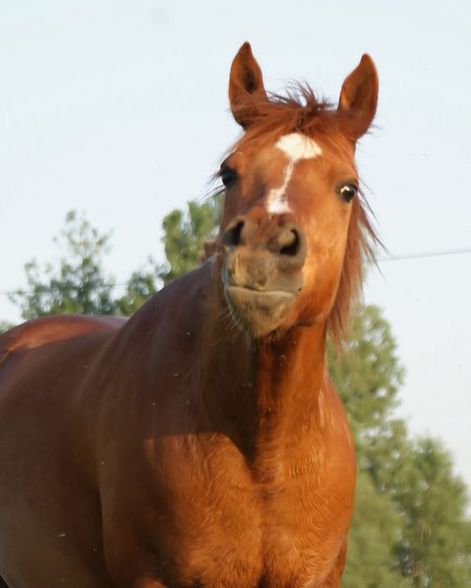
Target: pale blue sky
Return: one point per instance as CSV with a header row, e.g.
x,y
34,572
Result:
x,y
119,109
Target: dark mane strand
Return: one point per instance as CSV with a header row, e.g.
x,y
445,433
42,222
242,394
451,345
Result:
x,y
361,243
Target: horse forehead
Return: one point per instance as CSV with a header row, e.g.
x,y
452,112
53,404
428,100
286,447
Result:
x,y
296,146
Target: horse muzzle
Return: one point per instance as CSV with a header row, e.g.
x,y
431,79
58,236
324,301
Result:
x,y
262,270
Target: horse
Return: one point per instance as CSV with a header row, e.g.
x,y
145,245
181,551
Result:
x,y
200,442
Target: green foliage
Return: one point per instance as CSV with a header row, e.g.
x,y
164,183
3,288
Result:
x,y
376,527
435,544
409,503
139,288
77,283
185,235
4,326
367,374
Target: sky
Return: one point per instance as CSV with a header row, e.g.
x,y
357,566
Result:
x,y
119,109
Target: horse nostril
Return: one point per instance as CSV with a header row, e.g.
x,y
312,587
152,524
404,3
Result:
x,y
290,243
233,234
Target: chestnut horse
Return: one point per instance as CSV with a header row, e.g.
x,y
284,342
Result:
x,y
200,443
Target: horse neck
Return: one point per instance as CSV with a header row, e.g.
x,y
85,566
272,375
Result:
x,y
266,392
290,372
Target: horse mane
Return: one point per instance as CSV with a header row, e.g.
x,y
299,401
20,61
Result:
x,y
300,111
361,242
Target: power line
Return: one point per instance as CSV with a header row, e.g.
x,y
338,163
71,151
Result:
x,y
424,255
405,257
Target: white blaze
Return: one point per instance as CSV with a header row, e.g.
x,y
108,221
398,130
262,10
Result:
x,y
295,146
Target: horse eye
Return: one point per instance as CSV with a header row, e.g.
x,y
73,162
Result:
x,y
347,191
228,176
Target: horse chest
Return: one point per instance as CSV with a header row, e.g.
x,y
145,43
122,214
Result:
x,y
242,535
258,547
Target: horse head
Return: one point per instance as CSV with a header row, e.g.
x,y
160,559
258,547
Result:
x,y
293,225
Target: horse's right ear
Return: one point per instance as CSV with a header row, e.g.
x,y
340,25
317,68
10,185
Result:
x,y
359,97
246,87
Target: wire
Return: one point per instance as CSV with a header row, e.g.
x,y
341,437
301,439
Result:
x,y
405,257
424,255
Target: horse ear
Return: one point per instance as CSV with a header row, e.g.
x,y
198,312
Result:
x,y
245,86
358,98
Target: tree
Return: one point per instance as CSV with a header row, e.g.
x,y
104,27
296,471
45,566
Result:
x,y
4,326
375,530
139,288
414,488
77,283
185,235
413,478
435,544
367,373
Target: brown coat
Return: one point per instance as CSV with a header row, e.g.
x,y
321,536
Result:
x,y
197,444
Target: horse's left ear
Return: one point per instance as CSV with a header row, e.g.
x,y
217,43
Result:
x,y
359,97
246,87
